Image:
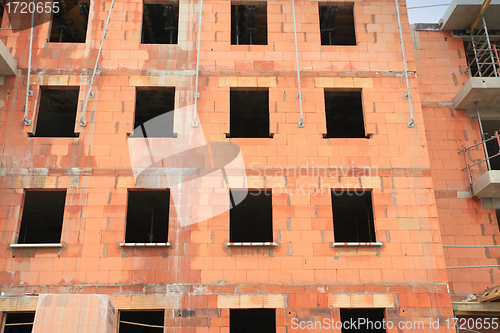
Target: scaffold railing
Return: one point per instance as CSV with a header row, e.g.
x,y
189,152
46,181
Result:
x,y
470,163
484,62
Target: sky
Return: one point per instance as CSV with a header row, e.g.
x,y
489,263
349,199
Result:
x,y
427,14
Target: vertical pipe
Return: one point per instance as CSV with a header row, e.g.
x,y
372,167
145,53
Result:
x,y
482,137
299,95
27,122
490,48
412,122
83,123
196,93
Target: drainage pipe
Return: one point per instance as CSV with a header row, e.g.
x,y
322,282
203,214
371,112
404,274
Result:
x,y
26,121
83,122
412,122
299,95
196,93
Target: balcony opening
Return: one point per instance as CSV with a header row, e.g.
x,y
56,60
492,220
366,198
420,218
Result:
x,y
57,112
252,219
249,24
337,25
249,114
344,114
490,126
154,113
141,321
352,216
69,24
42,217
147,216
18,322
160,23
252,320
368,320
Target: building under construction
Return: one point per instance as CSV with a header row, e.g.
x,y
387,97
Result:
x,y
230,166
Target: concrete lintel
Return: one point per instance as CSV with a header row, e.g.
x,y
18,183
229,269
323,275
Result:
x,y
8,65
461,13
488,185
484,90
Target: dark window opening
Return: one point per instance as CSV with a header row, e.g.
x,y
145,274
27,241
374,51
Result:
x,y
141,321
337,25
57,113
249,24
147,216
252,219
18,322
42,218
1,13
154,113
353,216
344,114
69,24
252,320
249,114
368,320
492,147
160,24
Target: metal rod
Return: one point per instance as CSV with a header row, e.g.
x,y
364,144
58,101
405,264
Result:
x,y
82,121
489,47
299,95
151,238
479,266
196,93
470,246
26,121
482,136
496,53
412,122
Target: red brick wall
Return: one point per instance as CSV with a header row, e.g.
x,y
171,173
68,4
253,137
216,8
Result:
x,y
441,65
95,168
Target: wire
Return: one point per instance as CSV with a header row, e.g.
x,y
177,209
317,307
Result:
x,y
445,4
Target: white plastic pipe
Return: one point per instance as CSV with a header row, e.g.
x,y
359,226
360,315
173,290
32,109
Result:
x,y
89,92
196,93
299,95
26,121
412,122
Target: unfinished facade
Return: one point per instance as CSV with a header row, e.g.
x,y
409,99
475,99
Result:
x,y
340,210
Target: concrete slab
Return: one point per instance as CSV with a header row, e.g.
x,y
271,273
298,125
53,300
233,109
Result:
x,y
8,65
488,185
485,90
461,13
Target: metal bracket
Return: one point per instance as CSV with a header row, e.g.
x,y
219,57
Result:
x,y
194,123
301,124
91,94
299,96
196,95
30,93
407,96
83,123
27,122
411,124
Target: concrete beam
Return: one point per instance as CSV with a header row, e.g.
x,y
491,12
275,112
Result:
x,y
485,90
488,185
8,65
461,13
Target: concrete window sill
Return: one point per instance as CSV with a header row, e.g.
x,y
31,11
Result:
x,y
38,246
251,244
356,244
167,244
